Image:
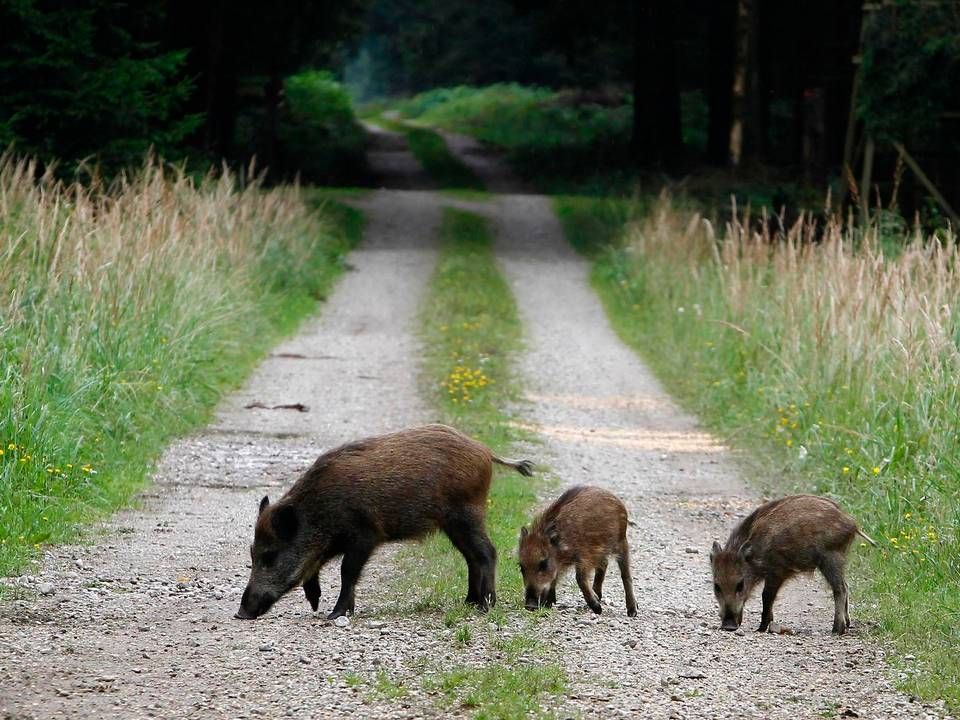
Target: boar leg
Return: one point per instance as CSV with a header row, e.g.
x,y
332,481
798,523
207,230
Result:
x,y
598,576
623,560
350,568
467,535
311,588
771,586
832,567
583,573
552,595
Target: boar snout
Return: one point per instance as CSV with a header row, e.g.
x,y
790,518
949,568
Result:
x,y
253,605
729,621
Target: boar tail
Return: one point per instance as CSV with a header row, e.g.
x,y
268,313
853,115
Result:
x,y
524,467
866,537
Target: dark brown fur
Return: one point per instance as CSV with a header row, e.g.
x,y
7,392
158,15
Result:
x,y
582,528
391,487
776,541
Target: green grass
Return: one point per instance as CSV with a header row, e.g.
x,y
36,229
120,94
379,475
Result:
x,y
471,333
125,316
550,137
826,363
432,153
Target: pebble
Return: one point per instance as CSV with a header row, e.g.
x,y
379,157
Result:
x,y
342,621
266,647
47,588
691,550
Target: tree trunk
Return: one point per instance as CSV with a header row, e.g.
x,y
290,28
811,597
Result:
x,y
272,93
741,78
657,134
722,23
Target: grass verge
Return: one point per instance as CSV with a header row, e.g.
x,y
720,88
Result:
x,y
126,313
471,332
834,364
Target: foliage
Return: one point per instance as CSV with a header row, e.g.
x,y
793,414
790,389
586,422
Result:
x,y
125,315
839,366
319,135
431,151
550,136
80,81
911,68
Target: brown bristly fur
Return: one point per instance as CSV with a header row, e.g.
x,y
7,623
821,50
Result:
x,y
391,487
582,528
776,541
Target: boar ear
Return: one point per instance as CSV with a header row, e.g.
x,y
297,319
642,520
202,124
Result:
x,y
263,505
552,534
285,522
745,552
715,550
524,532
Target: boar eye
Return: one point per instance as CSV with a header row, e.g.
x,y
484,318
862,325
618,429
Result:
x,y
268,558
740,586
716,588
543,564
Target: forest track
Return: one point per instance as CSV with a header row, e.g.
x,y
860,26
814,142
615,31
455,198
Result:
x,y
140,624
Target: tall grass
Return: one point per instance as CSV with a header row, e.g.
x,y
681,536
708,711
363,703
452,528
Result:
x,y
842,362
125,311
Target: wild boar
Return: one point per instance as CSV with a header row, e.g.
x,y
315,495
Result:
x,y
776,541
582,527
391,487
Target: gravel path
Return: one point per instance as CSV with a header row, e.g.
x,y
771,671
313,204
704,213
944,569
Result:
x,y
138,622
605,420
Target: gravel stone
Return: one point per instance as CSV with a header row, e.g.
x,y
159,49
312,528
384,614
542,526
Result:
x,y
47,588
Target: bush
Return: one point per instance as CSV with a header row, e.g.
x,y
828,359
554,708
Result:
x,y
319,134
548,135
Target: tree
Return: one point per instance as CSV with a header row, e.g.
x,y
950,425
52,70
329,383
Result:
x,y
656,93
79,80
241,51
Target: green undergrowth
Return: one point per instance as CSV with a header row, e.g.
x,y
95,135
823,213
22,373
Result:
x,y
829,365
472,332
561,140
127,312
432,153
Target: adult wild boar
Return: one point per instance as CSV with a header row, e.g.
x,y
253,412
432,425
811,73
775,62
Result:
x,y
392,487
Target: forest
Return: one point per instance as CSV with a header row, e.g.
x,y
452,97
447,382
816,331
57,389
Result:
x,y
851,93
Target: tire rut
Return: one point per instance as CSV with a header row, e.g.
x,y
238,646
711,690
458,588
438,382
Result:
x,y
605,420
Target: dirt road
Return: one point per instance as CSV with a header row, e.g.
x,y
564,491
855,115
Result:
x,y
139,622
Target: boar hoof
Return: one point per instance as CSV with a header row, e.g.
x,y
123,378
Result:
x,y
632,611
839,629
764,626
597,608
